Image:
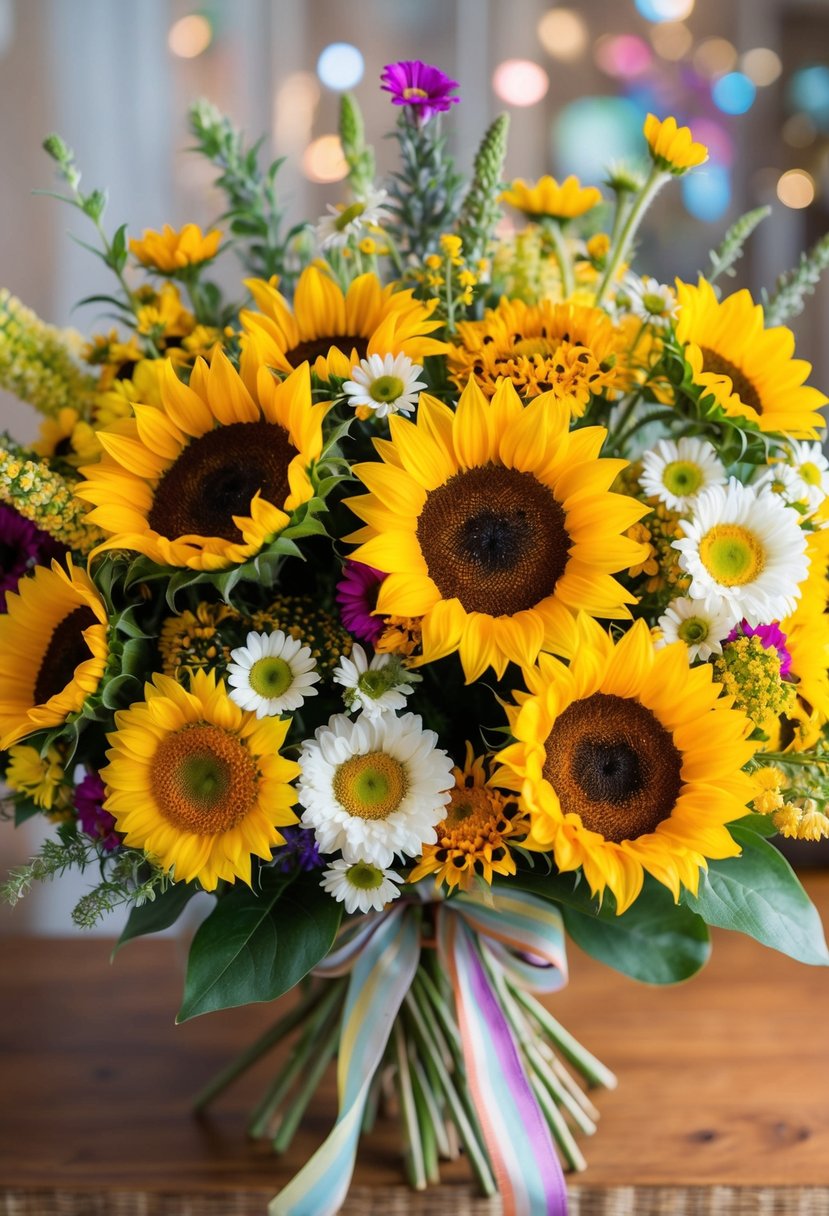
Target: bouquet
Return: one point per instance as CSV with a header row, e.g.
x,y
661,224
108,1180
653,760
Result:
x,y
453,589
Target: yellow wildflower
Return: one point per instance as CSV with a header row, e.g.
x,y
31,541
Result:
x,y
170,251
672,147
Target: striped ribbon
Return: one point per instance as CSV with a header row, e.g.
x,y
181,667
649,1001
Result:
x,y
520,934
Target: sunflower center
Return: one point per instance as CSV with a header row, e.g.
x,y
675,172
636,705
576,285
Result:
x,y
613,764
495,539
682,477
732,554
66,651
370,786
386,388
318,348
714,364
364,876
693,630
810,473
203,779
217,476
270,677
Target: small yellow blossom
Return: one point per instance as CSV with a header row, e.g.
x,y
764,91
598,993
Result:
x,y
549,199
672,147
598,247
451,246
36,361
170,251
46,498
368,246
69,437
401,635
41,778
802,821
433,260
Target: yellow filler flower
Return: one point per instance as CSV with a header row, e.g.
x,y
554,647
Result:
x,y
495,523
170,251
749,370
672,147
628,761
53,650
212,476
198,783
547,198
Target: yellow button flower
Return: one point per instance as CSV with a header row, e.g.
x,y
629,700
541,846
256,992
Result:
x,y
169,250
547,197
672,147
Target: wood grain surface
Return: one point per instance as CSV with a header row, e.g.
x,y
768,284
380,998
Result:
x,y
722,1106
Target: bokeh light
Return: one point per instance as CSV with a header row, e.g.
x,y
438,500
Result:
x,y
323,160
591,131
716,139
673,40
340,66
809,91
190,36
707,193
714,57
799,131
520,82
623,55
796,188
665,10
733,93
563,33
762,65
295,105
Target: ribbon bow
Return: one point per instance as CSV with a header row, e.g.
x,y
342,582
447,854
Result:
x,y
525,937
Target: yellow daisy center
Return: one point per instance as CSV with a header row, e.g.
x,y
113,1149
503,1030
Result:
x,y
732,554
413,94
370,786
66,651
386,388
216,477
495,539
682,477
203,779
613,764
810,473
270,676
714,364
318,348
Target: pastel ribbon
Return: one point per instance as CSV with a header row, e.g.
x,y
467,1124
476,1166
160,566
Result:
x,y
520,934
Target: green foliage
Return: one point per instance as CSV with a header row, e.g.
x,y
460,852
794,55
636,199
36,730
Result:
x,y
157,913
425,193
731,247
256,945
788,299
358,154
480,211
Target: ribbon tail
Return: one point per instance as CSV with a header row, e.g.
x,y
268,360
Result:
x,y
524,1158
379,981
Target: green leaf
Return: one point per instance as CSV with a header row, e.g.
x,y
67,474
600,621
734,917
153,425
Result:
x,y
763,825
655,941
256,945
156,914
759,894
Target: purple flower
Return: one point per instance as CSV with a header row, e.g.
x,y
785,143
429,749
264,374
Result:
x,y
94,820
772,637
299,852
357,596
22,545
426,89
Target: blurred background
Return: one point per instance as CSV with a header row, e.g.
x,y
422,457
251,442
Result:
x,y
751,78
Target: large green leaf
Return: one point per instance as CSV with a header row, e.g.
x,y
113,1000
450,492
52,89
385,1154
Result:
x,y
156,914
655,941
759,894
256,945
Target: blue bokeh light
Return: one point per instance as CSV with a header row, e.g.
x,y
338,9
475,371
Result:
x,y
706,193
809,92
591,131
340,66
733,93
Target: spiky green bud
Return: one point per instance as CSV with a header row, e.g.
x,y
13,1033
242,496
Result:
x,y
480,212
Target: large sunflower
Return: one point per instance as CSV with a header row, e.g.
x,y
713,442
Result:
x,y
197,783
748,369
807,641
628,760
495,524
211,476
571,350
53,650
333,330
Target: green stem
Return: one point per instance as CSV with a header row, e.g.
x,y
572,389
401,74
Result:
x,y
414,1158
561,1132
651,188
431,1100
592,1069
565,265
428,1123
626,408
795,758
325,1045
621,441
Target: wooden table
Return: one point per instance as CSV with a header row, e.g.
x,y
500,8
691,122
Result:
x,y
722,1107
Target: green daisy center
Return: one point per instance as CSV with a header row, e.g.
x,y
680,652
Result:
x,y
370,786
270,677
203,778
364,876
732,554
693,630
386,388
654,304
348,215
682,477
810,473
374,683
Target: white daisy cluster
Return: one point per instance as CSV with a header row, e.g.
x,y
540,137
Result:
x,y
374,687
384,384
347,220
800,477
271,674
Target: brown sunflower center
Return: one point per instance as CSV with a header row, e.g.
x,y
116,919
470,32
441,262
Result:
x,y
318,348
203,779
613,764
66,651
216,477
495,539
715,365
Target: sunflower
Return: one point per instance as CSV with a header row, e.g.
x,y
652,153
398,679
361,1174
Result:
x,y
53,650
197,783
495,524
210,477
629,760
749,370
334,331
571,350
548,198
807,633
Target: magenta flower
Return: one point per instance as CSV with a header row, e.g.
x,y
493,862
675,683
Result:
x,y
22,546
357,596
424,88
94,820
772,637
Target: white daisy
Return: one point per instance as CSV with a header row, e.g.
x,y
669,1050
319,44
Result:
x,y
374,787
271,673
811,473
781,479
376,686
350,219
675,472
360,885
745,550
386,384
651,301
700,627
